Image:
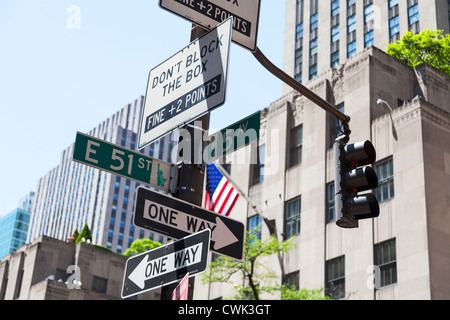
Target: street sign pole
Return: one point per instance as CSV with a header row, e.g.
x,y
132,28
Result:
x,y
192,176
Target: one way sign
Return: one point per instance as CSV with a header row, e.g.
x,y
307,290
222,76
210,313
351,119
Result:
x,y
176,218
165,265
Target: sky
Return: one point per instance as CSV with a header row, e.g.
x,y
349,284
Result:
x,y
68,65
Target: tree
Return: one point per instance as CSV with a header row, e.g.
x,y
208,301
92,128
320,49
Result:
x,y
140,246
291,293
429,46
85,234
257,277
75,233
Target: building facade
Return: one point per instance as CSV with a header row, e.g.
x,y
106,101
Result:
x,y
13,230
73,194
323,34
406,248
14,226
51,269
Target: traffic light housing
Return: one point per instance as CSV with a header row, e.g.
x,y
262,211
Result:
x,y
353,175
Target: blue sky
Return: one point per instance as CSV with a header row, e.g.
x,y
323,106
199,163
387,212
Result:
x,y
55,81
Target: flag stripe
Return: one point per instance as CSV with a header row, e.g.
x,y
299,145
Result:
x,y
220,195
221,188
232,204
230,191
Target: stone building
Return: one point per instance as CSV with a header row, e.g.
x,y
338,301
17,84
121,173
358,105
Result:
x,y
46,268
407,245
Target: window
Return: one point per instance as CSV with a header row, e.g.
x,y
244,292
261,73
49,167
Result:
x,y
351,28
368,39
292,279
313,47
314,21
330,214
385,173
299,42
351,49
413,16
334,8
394,25
394,29
99,284
314,24
335,34
313,71
314,6
258,169
392,3
368,25
335,278
385,259
254,227
296,146
351,23
334,61
292,218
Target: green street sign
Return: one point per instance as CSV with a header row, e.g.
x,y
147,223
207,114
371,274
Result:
x,y
124,162
233,137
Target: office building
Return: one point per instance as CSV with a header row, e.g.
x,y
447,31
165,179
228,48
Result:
x,y
293,184
14,226
73,194
320,35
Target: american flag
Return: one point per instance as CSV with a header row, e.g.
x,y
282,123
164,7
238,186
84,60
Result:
x,y
220,196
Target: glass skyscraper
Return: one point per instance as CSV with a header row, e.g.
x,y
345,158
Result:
x,y
13,230
73,194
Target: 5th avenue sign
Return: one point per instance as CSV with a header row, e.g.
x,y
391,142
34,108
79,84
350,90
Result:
x,y
208,14
186,86
176,218
167,264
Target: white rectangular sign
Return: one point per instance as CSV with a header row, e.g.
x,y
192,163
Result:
x,y
209,13
187,85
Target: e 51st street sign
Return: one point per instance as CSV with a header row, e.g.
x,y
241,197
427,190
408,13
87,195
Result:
x,y
176,218
167,264
186,86
208,14
124,162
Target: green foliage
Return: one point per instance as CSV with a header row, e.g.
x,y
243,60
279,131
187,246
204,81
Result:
x,y
85,234
258,277
429,46
291,293
140,246
75,233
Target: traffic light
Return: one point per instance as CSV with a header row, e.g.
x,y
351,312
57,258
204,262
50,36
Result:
x,y
352,175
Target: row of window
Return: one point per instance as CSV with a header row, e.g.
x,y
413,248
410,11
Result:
x,y
394,30
385,191
292,211
385,271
